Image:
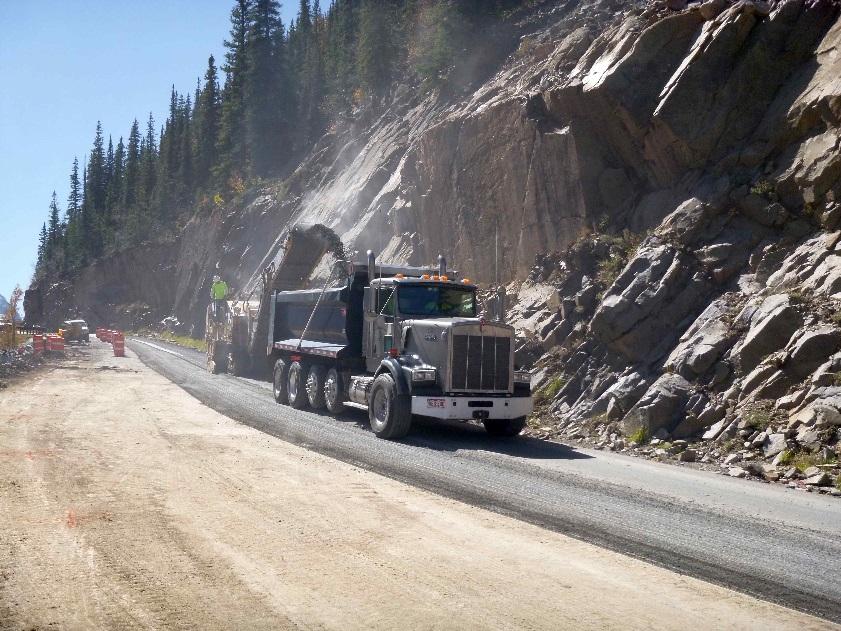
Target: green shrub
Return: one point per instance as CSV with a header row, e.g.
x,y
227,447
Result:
x,y
550,390
786,457
758,415
640,436
765,189
623,248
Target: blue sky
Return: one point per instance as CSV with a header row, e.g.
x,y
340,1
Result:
x,y
64,64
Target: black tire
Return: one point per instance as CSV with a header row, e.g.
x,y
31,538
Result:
x,y
505,427
281,370
334,392
315,386
296,386
238,364
390,413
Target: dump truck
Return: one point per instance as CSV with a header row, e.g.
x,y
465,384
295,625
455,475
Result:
x,y
397,341
76,331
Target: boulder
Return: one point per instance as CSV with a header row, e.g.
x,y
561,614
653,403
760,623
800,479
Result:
x,y
713,432
821,478
812,349
703,343
657,289
772,325
711,8
687,455
808,438
773,444
736,472
758,209
660,407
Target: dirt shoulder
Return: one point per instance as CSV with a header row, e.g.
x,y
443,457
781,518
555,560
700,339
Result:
x,y
130,504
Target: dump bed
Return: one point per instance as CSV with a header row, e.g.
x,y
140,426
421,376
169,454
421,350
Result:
x,y
335,329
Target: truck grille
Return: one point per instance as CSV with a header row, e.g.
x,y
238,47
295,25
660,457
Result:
x,y
481,362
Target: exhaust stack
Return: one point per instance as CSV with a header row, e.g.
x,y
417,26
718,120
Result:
x,y
442,265
500,303
372,266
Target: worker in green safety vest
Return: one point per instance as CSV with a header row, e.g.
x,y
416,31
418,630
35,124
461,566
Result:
x,y
218,293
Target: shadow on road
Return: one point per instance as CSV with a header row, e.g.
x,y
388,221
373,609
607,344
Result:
x,y
438,435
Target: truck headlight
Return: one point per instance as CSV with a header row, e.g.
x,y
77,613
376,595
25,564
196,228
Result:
x,y
522,376
423,374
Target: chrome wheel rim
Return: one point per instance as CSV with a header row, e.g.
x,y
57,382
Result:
x,y
292,388
331,389
380,407
312,386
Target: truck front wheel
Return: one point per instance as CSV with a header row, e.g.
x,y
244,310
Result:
x,y
281,394
390,413
297,386
505,426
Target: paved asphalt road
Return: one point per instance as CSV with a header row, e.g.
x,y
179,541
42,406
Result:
x,y
775,543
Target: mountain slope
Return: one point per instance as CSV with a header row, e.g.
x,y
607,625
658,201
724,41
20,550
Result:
x,y
663,187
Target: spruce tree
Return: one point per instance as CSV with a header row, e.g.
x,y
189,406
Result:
x,y
132,178
264,92
375,54
73,241
232,148
94,204
148,163
207,124
42,248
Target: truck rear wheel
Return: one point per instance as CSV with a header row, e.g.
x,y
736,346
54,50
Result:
x,y
315,386
279,380
390,413
505,426
334,392
296,386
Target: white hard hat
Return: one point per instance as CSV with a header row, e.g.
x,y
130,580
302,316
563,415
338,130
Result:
x,y
216,277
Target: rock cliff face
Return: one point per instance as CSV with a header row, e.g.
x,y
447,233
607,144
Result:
x,y
663,186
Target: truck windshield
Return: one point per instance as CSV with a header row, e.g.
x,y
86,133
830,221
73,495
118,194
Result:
x,y
435,300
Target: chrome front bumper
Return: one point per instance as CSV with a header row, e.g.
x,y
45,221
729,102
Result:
x,y
480,408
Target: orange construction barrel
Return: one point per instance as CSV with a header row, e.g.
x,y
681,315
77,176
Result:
x,y
118,340
38,343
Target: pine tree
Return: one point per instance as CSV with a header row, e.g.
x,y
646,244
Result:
x,y
115,186
185,177
148,163
233,154
74,199
375,52
93,215
132,177
340,57
207,124
73,240
264,92
55,237
42,248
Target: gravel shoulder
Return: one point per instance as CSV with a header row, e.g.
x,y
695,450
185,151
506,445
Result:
x,y
130,504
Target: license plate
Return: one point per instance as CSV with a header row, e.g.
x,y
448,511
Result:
x,y
435,403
